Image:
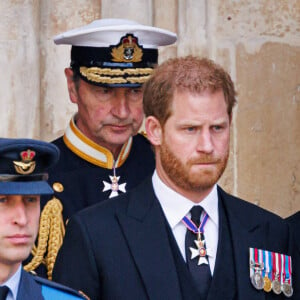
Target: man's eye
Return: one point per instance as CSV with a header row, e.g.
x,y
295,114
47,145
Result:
x,y
31,199
190,129
105,91
136,91
3,199
219,128
102,90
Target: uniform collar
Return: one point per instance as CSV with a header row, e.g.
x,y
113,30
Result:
x,y
13,283
88,150
175,206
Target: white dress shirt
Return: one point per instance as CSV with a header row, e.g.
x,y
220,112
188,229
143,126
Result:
x,y
176,206
13,284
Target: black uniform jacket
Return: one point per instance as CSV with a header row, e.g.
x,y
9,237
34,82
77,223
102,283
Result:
x,y
83,175
119,249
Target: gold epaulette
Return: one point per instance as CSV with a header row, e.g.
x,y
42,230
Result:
x,y
143,133
50,237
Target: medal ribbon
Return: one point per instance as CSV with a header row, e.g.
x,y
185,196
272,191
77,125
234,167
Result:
x,y
270,264
255,256
191,226
273,266
266,268
277,271
261,262
283,268
279,267
288,269
258,259
276,266
252,261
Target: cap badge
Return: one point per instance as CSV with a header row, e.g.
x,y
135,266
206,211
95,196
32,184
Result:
x,y
27,165
128,50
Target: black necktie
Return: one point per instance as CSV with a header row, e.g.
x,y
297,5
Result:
x,y
200,273
3,292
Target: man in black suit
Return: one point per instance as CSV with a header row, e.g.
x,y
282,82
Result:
x,y
178,235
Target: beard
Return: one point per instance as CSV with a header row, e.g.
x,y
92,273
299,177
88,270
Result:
x,y
184,176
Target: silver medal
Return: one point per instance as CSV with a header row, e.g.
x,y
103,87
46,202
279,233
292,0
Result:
x,y
257,281
287,289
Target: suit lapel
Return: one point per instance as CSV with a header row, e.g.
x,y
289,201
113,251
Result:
x,y
223,284
245,232
28,288
145,230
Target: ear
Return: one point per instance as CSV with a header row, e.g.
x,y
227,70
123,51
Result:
x,y
71,85
154,130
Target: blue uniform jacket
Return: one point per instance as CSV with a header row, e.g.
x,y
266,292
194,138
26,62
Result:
x,y
32,287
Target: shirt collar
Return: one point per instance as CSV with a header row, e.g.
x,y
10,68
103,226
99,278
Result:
x,y
176,206
88,150
13,282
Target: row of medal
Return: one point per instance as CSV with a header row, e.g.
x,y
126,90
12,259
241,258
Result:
x,y
270,271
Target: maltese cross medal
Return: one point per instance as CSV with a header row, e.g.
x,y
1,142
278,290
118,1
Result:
x,y
114,186
201,251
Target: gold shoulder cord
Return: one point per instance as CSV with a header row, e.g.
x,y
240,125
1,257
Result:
x,y
51,234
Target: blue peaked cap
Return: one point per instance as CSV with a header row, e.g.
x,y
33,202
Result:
x,y
24,164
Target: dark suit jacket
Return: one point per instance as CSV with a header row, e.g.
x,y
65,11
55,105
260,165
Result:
x,y
35,288
294,222
120,250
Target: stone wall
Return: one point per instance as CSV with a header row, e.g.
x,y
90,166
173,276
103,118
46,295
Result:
x,y
257,41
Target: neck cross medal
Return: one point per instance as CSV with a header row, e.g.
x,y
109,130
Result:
x,y
114,186
201,249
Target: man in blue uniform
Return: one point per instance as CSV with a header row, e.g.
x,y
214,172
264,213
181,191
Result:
x,y
178,235
23,166
102,154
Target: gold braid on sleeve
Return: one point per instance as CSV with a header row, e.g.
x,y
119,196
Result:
x,y
51,234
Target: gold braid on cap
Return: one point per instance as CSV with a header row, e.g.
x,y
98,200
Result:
x,y
51,233
105,75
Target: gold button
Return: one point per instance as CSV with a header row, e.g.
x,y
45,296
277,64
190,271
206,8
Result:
x,y
58,187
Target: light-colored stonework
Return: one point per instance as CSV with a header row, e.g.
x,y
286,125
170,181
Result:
x,y
257,41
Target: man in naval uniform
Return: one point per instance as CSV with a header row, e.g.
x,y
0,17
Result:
x,y
23,166
178,235
102,154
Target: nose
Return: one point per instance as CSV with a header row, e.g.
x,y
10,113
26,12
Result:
x,y
205,142
19,214
120,108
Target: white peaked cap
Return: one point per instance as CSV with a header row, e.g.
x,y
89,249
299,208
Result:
x,y
106,32
115,52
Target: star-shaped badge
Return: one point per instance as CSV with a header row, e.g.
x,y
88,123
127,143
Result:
x,y
201,251
114,186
